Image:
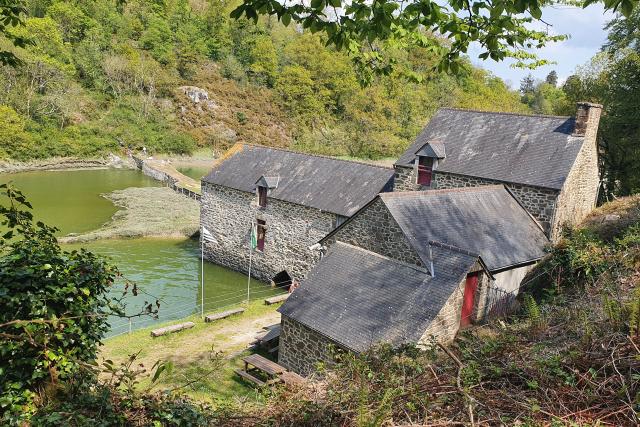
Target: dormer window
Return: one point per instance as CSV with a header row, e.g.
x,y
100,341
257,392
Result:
x,y
427,158
425,170
263,185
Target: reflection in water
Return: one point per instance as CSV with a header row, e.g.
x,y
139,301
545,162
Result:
x,y
170,271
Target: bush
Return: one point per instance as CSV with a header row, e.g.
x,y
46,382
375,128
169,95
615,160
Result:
x,y
53,307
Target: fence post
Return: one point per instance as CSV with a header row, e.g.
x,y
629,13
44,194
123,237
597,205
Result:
x,y
129,325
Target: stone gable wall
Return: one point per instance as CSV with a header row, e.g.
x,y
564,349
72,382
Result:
x,y
301,348
291,229
539,202
580,191
374,229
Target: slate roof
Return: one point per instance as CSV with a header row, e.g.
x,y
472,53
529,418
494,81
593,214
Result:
x,y
517,148
358,298
338,186
486,220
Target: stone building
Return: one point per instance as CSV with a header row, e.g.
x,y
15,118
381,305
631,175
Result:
x,y
291,199
409,267
549,163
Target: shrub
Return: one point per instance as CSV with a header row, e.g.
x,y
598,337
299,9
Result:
x,y
53,307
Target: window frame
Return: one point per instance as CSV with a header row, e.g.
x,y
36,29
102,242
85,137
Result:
x,y
262,196
261,234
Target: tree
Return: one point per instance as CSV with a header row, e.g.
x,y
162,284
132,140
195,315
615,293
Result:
x,y
12,15
362,27
527,84
552,78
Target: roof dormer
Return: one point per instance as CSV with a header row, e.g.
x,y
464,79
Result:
x,y
263,186
426,161
433,149
268,182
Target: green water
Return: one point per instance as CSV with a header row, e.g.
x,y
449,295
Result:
x,y
71,200
166,269
169,270
195,172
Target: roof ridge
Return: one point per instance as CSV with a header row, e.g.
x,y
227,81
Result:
x,y
453,248
543,116
402,263
288,150
393,194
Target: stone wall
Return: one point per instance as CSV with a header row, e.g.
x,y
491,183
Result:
x,y
539,202
301,348
446,324
580,190
376,230
290,230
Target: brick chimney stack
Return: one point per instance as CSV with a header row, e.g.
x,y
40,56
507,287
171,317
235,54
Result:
x,y
587,118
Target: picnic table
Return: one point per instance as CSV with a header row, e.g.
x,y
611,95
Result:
x,y
272,369
263,364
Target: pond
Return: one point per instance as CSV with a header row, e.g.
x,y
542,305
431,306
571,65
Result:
x,y
167,269
71,199
195,172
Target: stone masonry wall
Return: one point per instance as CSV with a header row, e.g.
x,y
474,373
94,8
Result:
x,y
291,229
301,348
539,202
580,191
375,229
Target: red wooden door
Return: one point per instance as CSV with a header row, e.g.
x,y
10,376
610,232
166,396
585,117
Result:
x,y
469,297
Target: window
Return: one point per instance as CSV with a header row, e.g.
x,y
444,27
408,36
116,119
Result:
x,y
262,197
425,170
262,231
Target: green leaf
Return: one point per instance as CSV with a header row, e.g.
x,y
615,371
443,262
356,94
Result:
x,y
286,19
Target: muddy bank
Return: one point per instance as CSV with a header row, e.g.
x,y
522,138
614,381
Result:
x,y
146,212
61,163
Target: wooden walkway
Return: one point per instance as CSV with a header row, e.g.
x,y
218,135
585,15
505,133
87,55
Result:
x,y
274,372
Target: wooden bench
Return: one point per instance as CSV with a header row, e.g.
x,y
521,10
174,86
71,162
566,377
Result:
x,y
171,329
276,299
247,376
223,314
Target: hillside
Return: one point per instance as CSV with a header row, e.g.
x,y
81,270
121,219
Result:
x,y
104,75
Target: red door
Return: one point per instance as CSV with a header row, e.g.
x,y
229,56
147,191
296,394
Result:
x,y
470,288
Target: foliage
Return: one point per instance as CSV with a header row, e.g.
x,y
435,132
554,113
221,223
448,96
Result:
x,y
12,14
97,78
611,79
54,306
364,29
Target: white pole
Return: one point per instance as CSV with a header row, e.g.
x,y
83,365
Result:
x,y
250,251
202,273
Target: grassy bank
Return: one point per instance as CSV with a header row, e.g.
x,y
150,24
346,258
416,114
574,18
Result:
x,y
146,212
203,357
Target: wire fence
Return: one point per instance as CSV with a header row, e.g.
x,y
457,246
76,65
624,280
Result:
x,y
126,325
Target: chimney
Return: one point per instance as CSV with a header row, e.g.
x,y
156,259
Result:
x,y
587,118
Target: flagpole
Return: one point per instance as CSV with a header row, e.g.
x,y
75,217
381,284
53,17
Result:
x,y
250,251
202,272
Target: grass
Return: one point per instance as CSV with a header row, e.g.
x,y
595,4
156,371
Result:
x,y
204,357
